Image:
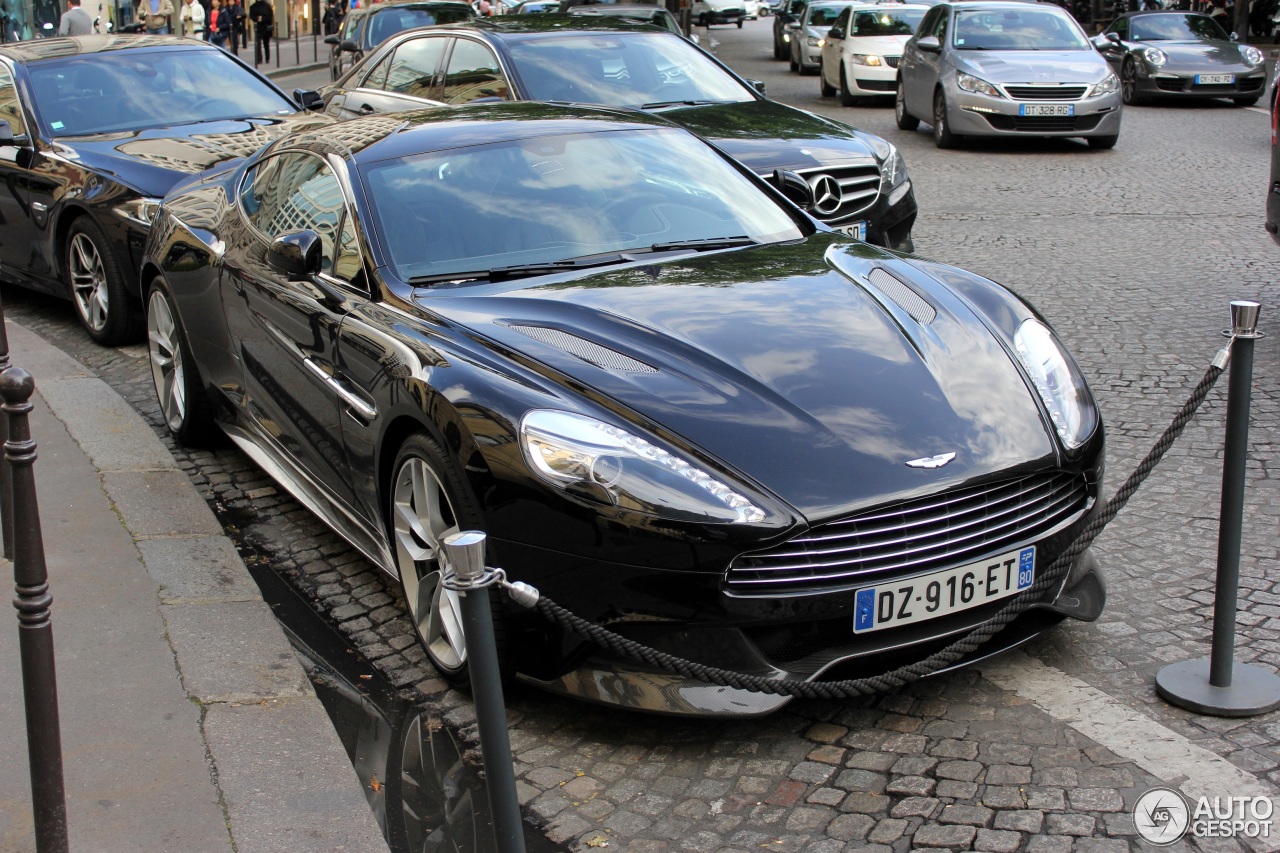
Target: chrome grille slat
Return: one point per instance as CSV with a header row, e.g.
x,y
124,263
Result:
x,y
930,533
1045,93
859,187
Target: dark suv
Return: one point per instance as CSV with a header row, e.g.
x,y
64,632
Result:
x,y
859,181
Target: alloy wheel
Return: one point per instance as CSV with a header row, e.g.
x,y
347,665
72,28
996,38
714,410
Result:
x,y
422,517
1129,83
167,369
88,281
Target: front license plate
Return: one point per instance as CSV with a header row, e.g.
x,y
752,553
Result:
x,y
857,229
930,596
1046,109
1207,79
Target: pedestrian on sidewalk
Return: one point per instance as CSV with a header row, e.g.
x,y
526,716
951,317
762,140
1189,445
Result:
x,y
157,16
75,21
219,24
192,18
264,21
238,36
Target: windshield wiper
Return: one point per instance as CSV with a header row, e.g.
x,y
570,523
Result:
x,y
687,103
705,244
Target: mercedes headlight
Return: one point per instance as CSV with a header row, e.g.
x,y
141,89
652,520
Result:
x,y
1109,84
976,84
1154,56
141,211
893,169
866,59
598,461
1251,54
1058,382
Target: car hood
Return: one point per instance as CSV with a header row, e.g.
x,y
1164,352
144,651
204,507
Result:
x,y
876,45
765,135
1199,54
153,160
1033,66
784,363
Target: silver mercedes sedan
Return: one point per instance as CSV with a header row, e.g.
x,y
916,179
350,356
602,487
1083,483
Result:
x,y
1005,68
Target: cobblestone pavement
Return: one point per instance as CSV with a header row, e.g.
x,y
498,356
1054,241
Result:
x,y
1133,254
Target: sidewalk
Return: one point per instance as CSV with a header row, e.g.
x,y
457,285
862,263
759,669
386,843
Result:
x,y
187,722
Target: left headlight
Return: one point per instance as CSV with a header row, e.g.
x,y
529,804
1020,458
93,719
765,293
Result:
x,y
1109,84
141,211
1058,382
1155,56
599,461
1251,54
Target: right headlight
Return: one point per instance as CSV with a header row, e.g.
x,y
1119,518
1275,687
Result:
x,y
976,84
1109,84
601,462
1155,56
1058,382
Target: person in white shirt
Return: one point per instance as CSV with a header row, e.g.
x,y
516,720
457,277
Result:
x,y
192,18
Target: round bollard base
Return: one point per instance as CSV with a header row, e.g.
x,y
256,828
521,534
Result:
x,y
1253,690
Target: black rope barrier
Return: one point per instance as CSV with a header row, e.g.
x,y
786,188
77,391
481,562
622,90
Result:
x,y
941,659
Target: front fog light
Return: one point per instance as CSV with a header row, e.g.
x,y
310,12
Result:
x,y
1058,382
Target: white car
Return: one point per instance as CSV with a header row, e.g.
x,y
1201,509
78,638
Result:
x,y
708,12
860,52
752,8
809,30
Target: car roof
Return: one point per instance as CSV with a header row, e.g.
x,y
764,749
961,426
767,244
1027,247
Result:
x,y
413,4
373,138
1149,12
38,50
614,8
517,25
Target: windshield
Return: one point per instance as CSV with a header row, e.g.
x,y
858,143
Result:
x,y
1175,28
635,70
824,16
660,17
134,90
1017,29
902,22
557,199
397,19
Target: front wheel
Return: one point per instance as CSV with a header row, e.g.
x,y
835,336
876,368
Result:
x,y
846,99
1129,83
429,499
179,389
1103,143
942,135
97,286
905,120
739,23
826,88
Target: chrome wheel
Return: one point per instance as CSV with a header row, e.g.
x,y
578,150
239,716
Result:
x,y
167,369
1129,83
88,282
422,516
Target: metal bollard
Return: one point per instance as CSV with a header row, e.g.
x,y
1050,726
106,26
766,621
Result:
x,y
464,552
35,628
6,475
1219,686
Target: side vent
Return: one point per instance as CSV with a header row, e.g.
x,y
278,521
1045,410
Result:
x,y
590,352
900,292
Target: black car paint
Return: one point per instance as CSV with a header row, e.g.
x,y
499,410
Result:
x,y
91,175
435,360
764,134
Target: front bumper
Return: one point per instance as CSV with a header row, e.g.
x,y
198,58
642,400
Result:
x,y
872,80
1165,82
724,16
975,114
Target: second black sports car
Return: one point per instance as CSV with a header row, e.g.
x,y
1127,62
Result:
x,y
677,404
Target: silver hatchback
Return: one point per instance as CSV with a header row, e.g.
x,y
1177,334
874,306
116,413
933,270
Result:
x,y
1006,69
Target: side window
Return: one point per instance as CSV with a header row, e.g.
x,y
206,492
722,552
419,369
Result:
x,y
10,106
1121,28
414,65
377,78
845,22
473,73
292,192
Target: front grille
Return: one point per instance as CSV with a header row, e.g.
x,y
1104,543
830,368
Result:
x,y
922,535
1044,124
859,189
892,61
1171,84
1045,93
877,85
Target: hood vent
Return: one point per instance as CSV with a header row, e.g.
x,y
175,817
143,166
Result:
x,y
590,352
902,293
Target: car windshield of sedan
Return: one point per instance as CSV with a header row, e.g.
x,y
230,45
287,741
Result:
x,y
1020,29
125,91
887,23
824,16
1175,28
558,203
636,70
659,17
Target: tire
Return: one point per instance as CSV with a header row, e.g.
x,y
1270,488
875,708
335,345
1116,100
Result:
x,y
846,99
427,499
826,88
795,66
739,23
905,120
1103,143
184,405
702,21
779,51
97,286
942,135
1246,101
1129,83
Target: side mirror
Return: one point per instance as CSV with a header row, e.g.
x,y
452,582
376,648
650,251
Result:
x,y
794,25
331,39
794,187
758,85
1235,37
349,45
930,44
1113,37
308,99
835,33
296,255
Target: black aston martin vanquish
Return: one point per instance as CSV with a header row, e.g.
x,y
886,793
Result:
x,y
677,404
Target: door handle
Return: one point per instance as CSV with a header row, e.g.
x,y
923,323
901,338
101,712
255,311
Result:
x,y
365,109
